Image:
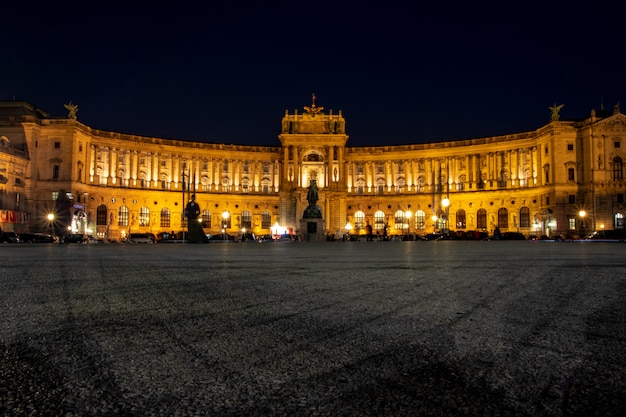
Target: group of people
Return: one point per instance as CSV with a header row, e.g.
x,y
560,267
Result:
x,y
369,231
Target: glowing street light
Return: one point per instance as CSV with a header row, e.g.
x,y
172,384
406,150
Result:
x,y
582,214
407,224
51,222
225,216
348,230
445,203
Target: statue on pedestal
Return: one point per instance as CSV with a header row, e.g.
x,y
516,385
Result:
x,y
313,211
192,211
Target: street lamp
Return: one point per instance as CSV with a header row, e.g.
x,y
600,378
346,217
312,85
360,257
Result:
x,y
582,214
50,223
445,203
434,218
225,216
348,229
407,219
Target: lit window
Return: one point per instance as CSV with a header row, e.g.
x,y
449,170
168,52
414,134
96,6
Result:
x,y
266,219
122,216
524,217
165,217
246,219
460,219
144,216
618,169
206,218
420,220
379,220
359,220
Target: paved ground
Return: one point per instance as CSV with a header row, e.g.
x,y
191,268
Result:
x,y
306,329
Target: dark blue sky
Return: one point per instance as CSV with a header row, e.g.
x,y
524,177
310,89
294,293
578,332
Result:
x,y
401,72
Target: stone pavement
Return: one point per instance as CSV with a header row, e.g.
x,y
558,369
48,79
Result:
x,y
314,329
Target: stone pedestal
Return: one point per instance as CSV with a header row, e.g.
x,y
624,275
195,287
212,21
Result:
x,y
196,233
312,230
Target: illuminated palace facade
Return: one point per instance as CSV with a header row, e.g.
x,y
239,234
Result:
x,y
565,178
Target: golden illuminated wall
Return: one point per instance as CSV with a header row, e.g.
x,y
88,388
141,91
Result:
x,y
533,182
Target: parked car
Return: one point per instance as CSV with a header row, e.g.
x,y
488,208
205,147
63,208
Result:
x,y
512,236
136,238
616,235
9,237
36,238
475,235
222,238
94,240
75,238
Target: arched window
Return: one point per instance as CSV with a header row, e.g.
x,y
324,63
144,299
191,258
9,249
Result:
x,y
265,185
122,216
206,218
460,219
266,219
380,186
144,216
246,219
481,219
359,220
379,220
618,169
524,217
460,185
165,217
619,221
503,218
420,185
101,215
420,220
398,220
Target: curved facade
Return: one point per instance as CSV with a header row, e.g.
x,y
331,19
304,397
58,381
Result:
x,y
565,178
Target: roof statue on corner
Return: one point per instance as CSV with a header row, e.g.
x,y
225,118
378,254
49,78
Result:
x,y
555,112
72,109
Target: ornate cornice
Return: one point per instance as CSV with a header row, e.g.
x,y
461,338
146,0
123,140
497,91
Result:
x,y
613,123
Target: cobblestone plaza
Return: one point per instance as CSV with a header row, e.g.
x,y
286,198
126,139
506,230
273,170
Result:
x,y
444,328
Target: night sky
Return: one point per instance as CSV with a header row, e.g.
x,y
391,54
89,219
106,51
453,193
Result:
x,y
401,72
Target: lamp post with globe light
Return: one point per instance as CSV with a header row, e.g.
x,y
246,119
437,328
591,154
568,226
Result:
x,y
348,231
225,216
407,222
51,223
582,214
445,203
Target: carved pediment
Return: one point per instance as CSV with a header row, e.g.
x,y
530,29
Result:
x,y
614,123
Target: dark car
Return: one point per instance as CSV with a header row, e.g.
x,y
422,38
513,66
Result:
x,y
617,235
512,236
139,238
222,238
433,236
75,238
36,238
8,237
475,235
